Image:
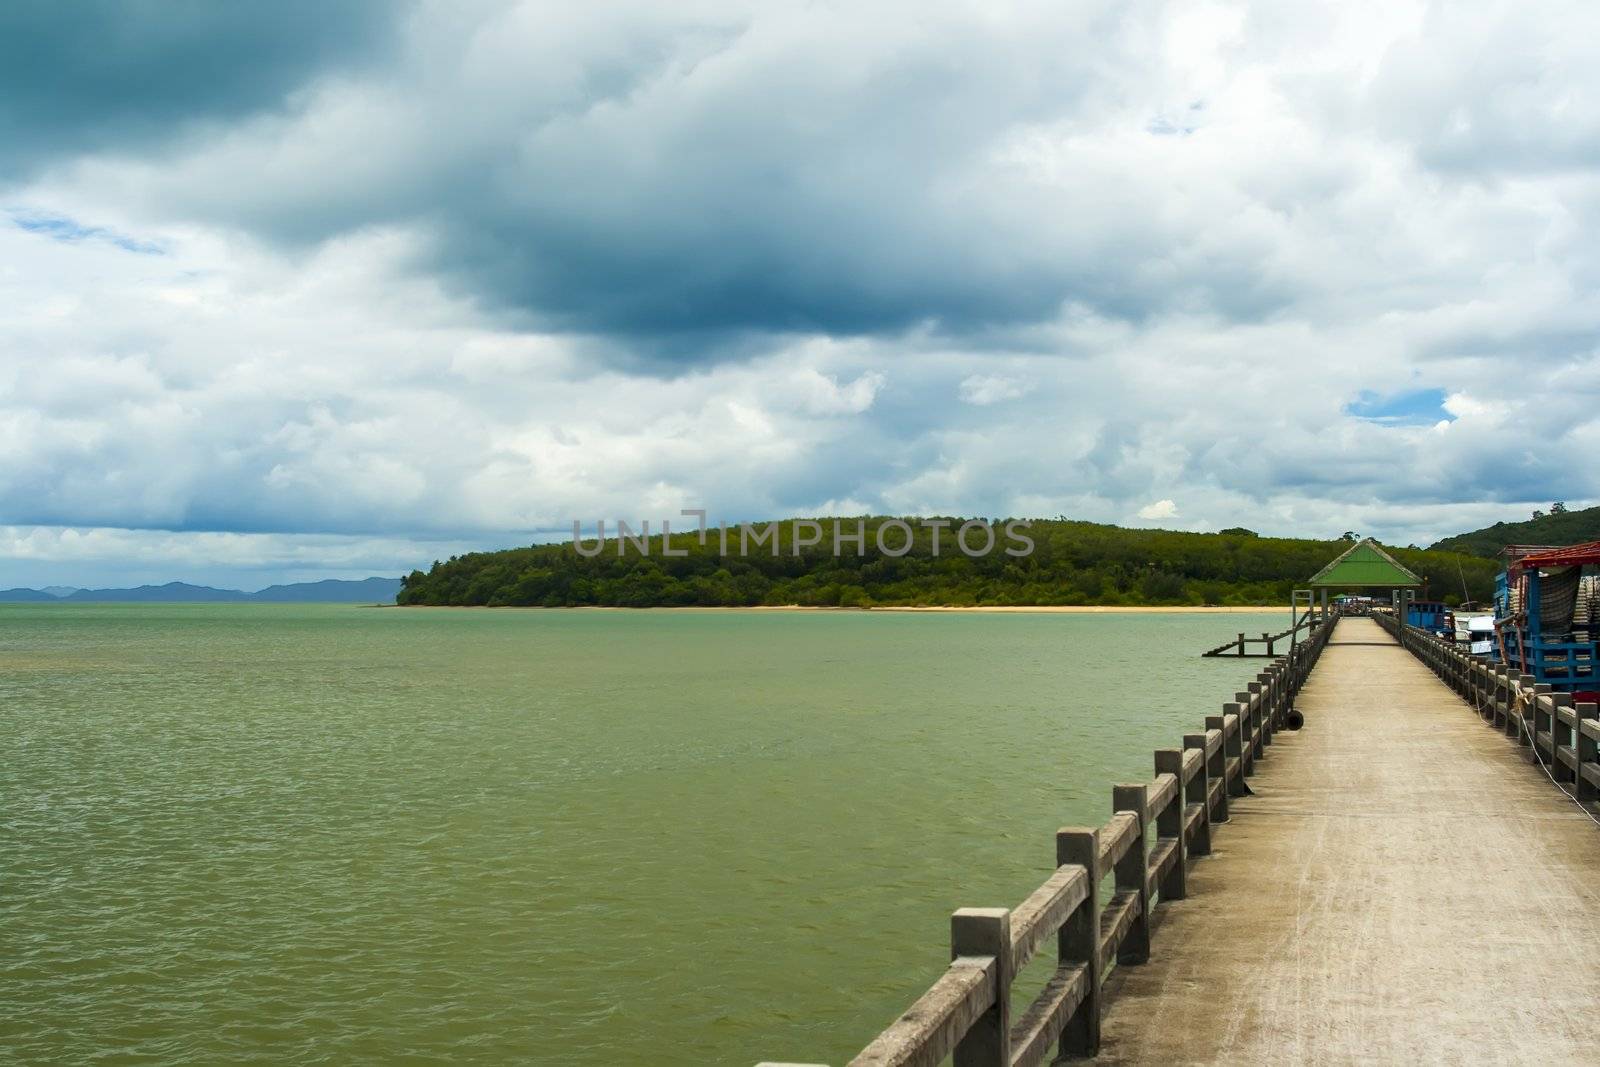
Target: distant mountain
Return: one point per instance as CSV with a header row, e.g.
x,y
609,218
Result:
x,y
331,591
1558,528
59,590
171,593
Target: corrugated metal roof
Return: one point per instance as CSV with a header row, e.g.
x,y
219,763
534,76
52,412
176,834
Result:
x,y
1365,564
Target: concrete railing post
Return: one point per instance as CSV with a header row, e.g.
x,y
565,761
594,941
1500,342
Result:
x,y
1516,717
1560,736
1132,873
1078,941
1170,822
1502,699
986,932
1200,793
1588,751
1539,720
1263,703
1242,746
1232,785
1247,746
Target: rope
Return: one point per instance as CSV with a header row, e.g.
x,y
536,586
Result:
x,y
1523,699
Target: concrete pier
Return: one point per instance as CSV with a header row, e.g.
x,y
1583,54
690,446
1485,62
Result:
x,y
1404,887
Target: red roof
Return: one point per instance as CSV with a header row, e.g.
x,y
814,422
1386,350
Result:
x,y
1571,556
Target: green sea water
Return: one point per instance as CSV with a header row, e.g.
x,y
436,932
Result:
x,y
282,834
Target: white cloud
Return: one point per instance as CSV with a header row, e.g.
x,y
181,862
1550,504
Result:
x,y
1160,509
1463,406
822,394
985,389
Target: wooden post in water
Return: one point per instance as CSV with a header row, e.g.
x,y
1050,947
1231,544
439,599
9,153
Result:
x,y
986,932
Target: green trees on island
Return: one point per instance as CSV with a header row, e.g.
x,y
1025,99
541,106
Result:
x,y
1070,563
1559,527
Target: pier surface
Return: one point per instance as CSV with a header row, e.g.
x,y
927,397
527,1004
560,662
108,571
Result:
x,y
1404,888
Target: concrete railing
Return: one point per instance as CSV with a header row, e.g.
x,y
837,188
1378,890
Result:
x,y
967,1011
1564,737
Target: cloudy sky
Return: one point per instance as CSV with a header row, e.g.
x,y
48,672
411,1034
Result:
x,y
295,290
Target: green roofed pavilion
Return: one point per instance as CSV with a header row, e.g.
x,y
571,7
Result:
x,y
1365,564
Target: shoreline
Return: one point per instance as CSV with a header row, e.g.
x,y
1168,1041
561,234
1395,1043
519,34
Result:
x,y
983,609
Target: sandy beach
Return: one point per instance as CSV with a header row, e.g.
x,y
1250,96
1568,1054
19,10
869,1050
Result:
x,y
1094,609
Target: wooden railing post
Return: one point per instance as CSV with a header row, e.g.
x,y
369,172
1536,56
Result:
x,y
1132,872
986,932
1078,941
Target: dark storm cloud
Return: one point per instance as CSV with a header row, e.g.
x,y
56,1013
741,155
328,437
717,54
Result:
x,y
115,75
690,181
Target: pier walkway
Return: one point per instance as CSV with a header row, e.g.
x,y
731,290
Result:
x,y
1394,880
1404,887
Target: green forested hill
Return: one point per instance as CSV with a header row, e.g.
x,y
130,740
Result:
x,y
1072,563
1557,528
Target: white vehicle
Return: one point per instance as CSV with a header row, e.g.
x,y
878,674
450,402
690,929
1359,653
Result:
x,y
1475,629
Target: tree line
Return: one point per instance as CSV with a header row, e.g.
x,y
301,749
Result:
x,y
1559,527
1071,563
